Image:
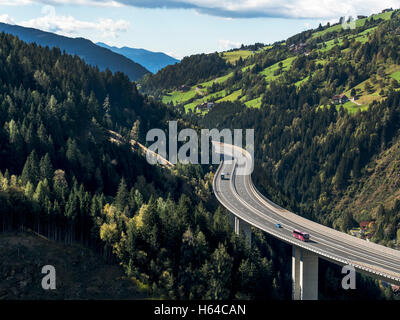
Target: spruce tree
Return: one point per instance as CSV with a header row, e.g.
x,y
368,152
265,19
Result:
x,y
31,169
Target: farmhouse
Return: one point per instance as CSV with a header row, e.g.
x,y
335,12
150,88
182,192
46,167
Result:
x,y
340,99
184,88
204,106
298,48
365,225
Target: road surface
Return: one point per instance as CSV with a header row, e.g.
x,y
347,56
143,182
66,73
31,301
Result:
x,y
241,198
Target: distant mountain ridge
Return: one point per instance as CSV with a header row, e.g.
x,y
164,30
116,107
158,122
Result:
x,y
92,54
153,61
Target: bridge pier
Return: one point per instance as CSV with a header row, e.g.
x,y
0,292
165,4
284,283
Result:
x,y
304,274
241,226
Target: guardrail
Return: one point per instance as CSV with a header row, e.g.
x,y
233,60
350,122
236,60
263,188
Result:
x,y
358,265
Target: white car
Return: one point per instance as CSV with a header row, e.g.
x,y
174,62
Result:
x,y
225,176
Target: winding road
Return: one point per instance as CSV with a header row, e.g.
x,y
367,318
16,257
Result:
x,y
242,199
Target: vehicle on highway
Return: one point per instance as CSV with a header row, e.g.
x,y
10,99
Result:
x,y
225,176
301,235
278,225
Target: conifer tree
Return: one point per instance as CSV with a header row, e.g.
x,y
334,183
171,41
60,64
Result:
x,y
31,171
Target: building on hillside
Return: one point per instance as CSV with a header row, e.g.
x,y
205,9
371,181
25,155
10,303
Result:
x,y
298,48
387,10
396,289
204,106
184,88
364,225
340,99
361,17
367,225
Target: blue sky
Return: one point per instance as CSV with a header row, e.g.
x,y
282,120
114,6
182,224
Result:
x,y
182,27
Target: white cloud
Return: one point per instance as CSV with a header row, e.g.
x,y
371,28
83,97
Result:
x,y
250,8
5,18
111,28
174,55
70,26
228,44
321,9
15,2
100,3
274,8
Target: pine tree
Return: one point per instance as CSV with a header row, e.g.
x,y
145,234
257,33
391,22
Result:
x,y
31,169
46,168
72,153
135,131
219,272
107,104
122,197
60,184
138,199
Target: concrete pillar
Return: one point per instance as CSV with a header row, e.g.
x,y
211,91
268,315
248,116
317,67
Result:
x,y
304,274
237,226
296,291
309,275
240,226
246,229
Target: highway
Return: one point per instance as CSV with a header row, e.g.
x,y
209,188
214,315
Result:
x,y
240,197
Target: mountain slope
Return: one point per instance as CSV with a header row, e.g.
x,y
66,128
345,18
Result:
x,y
85,49
324,105
311,58
376,196
64,178
152,61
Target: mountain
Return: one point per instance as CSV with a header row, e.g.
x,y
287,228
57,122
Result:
x,y
243,74
62,176
153,61
325,107
85,49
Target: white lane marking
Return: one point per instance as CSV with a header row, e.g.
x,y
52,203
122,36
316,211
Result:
x,y
336,245
263,217
334,237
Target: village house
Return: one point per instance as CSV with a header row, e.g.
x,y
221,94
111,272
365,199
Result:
x,y
340,99
298,48
366,225
184,88
204,106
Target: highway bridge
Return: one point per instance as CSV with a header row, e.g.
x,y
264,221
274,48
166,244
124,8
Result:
x,y
251,209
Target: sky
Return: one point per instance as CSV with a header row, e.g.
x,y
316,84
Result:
x,y
183,27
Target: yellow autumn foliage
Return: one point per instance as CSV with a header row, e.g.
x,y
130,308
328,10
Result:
x,y
139,218
109,232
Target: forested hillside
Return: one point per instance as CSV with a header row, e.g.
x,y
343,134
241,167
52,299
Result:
x,y
92,54
62,177
188,72
325,108
152,61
